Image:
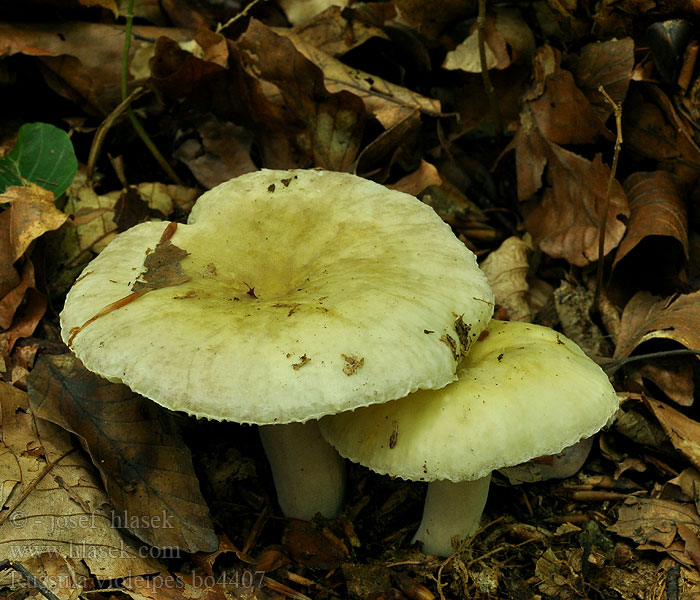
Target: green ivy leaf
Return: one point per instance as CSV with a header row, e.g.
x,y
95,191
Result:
x,y
43,155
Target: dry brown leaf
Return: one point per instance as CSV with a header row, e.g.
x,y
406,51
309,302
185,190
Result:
x,y
57,505
222,154
656,209
608,64
9,278
12,300
683,431
431,20
508,40
33,213
64,577
559,110
673,376
333,119
506,269
379,156
335,32
652,128
565,222
83,60
24,321
653,523
418,181
146,468
387,102
648,317
300,11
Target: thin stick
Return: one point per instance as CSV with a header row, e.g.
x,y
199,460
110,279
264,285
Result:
x,y
130,113
606,204
29,578
105,126
610,365
488,86
240,15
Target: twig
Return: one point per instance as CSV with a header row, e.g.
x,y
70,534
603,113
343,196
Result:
x,y
488,86
104,127
130,113
29,578
610,365
240,15
606,204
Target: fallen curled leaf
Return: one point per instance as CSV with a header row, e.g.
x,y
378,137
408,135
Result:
x,y
418,181
25,320
82,60
608,64
683,431
146,468
300,11
506,268
656,209
388,102
32,214
335,31
654,525
508,39
559,110
223,153
12,300
52,498
673,376
565,221
64,577
333,119
647,317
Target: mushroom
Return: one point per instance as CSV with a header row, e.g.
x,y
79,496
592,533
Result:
x,y
287,296
523,391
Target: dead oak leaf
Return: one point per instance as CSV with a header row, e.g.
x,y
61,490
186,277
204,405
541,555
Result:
x,y
561,111
146,468
565,222
608,64
653,523
683,431
647,317
333,120
389,103
656,209
52,498
32,214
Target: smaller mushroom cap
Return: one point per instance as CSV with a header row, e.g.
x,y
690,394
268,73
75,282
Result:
x,y
523,391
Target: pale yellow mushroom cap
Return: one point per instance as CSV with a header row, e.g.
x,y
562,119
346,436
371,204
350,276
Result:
x,y
523,391
303,293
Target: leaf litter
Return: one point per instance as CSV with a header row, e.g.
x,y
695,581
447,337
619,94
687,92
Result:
x,y
365,88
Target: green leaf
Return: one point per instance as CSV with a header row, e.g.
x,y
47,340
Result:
x,y
44,155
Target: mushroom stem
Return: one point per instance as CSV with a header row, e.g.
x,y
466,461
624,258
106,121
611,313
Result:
x,y
451,509
309,474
